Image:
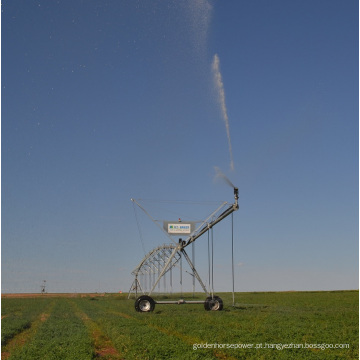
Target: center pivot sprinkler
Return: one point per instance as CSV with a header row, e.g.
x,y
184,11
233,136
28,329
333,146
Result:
x,y
164,258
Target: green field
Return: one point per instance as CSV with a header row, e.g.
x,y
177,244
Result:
x,y
287,325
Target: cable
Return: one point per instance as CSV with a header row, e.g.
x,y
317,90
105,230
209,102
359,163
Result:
x,y
191,202
139,229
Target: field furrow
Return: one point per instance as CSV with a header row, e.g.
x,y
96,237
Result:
x,y
133,338
104,348
18,341
60,335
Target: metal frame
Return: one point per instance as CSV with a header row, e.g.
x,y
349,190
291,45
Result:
x,y
171,254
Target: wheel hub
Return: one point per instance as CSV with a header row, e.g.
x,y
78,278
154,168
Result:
x,y
144,305
215,305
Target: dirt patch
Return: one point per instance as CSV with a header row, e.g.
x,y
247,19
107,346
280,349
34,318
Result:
x,y
44,317
109,352
103,345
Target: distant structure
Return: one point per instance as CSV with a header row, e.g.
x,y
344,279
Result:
x,y
43,287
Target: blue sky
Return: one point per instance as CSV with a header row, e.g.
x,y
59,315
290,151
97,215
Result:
x,y
103,101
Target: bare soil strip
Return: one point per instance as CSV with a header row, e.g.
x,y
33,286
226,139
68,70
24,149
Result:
x,y
19,340
104,348
66,295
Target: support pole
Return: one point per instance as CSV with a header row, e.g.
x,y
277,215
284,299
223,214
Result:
x,y
136,285
212,263
232,258
209,273
193,261
194,270
131,288
171,288
158,259
181,284
176,249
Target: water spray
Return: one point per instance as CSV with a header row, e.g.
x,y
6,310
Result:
x,y
220,174
221,97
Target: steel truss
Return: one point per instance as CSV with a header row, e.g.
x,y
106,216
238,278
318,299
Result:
x,y
164,258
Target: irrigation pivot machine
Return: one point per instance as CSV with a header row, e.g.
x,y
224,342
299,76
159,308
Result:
x,y
163,259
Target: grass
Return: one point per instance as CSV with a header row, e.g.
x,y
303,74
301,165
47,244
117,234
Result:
x,y
18,315
108,327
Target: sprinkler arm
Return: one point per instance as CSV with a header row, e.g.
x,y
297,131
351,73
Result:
x,y
211,224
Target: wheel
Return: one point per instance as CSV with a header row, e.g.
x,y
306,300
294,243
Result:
x,y
213,304
144,303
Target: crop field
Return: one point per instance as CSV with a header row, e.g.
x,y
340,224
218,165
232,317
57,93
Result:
x,y
287,325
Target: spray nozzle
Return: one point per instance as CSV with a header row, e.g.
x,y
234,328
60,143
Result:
x,y
236,193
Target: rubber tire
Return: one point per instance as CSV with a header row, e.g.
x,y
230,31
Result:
x,y
215,304
144,303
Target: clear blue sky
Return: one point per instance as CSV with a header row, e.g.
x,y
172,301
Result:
x,y
107,100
